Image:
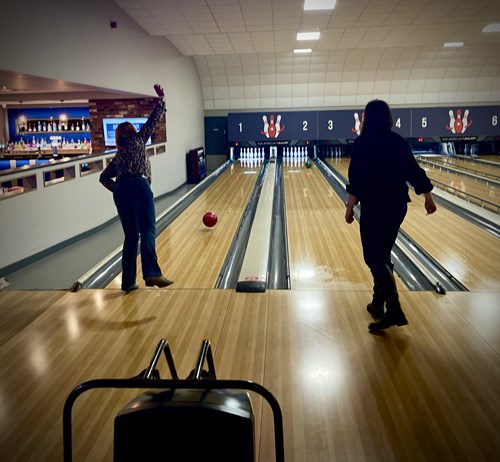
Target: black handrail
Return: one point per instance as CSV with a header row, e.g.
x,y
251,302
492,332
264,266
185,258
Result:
x,y
198,379
172,384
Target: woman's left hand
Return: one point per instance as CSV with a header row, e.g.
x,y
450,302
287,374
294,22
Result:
x,y
159,90
430,206
349,214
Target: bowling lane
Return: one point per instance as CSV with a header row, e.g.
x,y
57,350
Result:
x,y
479,168
491,158
188,252
470,254
461,186
324,252
466,251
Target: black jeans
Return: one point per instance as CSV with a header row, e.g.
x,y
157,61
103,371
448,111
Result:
x,y
379,226
136,208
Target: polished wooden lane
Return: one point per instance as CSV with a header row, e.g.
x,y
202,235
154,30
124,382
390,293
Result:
x,y
191,254
324,251
463,186
490,157
16,312
428,391
86,335
470,254
478,168
412,394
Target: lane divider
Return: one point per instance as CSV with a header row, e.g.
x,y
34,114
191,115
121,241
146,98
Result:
x,y
253,275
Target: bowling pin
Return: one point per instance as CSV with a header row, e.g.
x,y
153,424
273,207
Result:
x,y
465,120
357,123
272,127
458,122
452,121
266,127
278,125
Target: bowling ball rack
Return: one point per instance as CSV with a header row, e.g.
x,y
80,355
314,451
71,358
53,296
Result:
x,y
199,380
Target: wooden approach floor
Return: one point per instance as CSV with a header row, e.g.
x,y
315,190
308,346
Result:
x,y
425,392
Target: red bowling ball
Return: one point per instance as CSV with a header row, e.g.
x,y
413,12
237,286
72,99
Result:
x,y
209,219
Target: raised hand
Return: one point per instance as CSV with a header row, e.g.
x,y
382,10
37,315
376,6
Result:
x,y
159,90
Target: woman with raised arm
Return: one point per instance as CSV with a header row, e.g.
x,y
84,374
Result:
x,y
128,177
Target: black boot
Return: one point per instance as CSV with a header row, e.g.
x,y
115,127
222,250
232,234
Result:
x,y
389,320
376,307
394,315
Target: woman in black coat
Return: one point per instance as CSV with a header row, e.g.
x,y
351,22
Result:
x,y
381,165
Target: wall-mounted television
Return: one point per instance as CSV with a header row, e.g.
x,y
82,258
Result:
x,y
109,127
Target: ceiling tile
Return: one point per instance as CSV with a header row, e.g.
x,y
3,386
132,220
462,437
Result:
x,y
386,47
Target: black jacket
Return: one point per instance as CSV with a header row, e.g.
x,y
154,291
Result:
x,y
380,167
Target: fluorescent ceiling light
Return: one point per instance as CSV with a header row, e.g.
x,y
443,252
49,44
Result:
x,y
308,36
494,27
453,44
302,50
319,4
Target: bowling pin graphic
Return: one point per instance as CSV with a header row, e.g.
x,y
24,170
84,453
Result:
x,y
357,124
466,123
266,127
272,128
458,122
278,125
452,122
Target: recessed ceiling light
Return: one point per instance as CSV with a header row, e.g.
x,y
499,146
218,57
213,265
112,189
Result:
x,y
302,50
453,44
494,27
308,36
319,4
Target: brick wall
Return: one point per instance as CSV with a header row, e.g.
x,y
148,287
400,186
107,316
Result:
x,y
138,107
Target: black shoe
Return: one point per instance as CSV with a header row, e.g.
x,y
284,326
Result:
x,y
159,281
377,311
127,290
388,321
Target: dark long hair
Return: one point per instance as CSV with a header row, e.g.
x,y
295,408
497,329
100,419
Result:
x,y
124,131
378,118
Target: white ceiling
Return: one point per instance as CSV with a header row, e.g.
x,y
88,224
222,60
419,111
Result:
x,y
243,50
392,49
